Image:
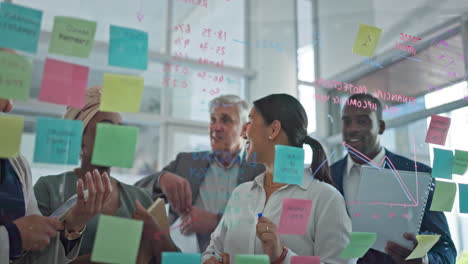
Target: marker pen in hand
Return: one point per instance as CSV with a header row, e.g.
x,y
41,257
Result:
x,y
218,257
260,215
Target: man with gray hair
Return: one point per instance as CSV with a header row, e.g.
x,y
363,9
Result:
x,y
198,185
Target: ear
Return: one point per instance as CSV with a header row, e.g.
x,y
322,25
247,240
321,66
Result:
x,y
381,127
275,128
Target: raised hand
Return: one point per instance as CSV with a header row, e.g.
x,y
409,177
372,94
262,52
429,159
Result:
x,y
178,192
37,230
198,221
267,232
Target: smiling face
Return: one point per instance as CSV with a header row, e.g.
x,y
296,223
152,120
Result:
x,y
361,130
225,129
257,133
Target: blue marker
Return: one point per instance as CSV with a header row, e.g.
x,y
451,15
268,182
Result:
x,y
260,215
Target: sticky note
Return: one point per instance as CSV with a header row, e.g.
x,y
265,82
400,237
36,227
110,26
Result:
x,y
117,240
359,244
442,165
463,259
58,141
64,83
294,216
252,259
425,243
114,145
438,130
15,76
121,93
10,135
463,197
128,48
72,36
176,258
20,27
305,260
289,165
460,162
444,196
366,40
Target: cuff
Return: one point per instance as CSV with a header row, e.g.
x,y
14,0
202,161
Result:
x,y
288,257
14,237
68,245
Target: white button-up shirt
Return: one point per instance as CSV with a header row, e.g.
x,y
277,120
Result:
x,y
328,228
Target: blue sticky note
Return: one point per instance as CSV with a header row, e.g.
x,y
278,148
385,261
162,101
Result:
x,y
58,141
177,258
463,195
289,165
19,27
128,48
443,163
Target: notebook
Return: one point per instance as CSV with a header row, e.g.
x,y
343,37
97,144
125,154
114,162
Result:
x,y
390,202
158,210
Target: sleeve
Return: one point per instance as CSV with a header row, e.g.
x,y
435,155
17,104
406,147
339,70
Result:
x,y
5,245
444,251
151,183
43,197
332,227
217,238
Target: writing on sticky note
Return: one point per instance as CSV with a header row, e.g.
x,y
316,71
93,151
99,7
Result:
x,y
252,259
121,93
72,36
443,163
64,83
463,197
107,152
117,240
15,76
425,243
176,258
444,196
19,27
460,162
305,260
359,244
438,130
289,165
58,141
128,48
10,135
294,216
366,40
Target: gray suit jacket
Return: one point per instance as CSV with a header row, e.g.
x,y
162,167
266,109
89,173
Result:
x,y
193,166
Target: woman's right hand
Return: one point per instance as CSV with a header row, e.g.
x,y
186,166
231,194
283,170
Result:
x,y
213,260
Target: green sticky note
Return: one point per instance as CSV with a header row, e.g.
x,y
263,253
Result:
x,y
425,243
10,135
460,162
114,145
72,36
463,258
252,259
176,258
359,244
15,76
463,195
366,40
444,196
121,93
117,240
289,165
19,27
442,165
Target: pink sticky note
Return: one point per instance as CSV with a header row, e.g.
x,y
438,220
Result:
x,y
294,216
438,130
64,83
305,260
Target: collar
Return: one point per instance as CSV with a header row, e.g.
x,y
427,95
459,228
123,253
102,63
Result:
x,y
235,159
260,180
378,159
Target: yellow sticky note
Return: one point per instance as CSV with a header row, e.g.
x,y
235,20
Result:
x,y
425,243
10,135
366,40
121,93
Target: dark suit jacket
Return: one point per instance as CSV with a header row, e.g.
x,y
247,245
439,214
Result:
x,y
193,166
444,251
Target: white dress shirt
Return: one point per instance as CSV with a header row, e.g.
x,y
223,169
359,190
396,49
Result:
x,y
328,227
